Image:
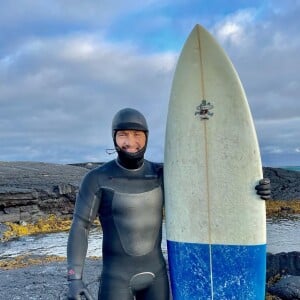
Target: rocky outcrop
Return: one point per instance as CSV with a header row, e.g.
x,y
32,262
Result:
x,y
281,264
283,275
285,183
51,282
32,190
288,287
45,281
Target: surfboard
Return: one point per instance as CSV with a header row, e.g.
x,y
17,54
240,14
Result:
x,y
215,222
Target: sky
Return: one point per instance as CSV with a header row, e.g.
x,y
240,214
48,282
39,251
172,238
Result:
x,y
66,68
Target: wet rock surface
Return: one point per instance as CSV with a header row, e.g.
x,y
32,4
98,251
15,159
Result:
x,y
288,287
283,263
286,267
47,281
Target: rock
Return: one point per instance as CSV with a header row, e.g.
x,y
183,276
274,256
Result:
x,y
283,263
285,183
3,228
285,266
46,281
32,190
288,287
88,165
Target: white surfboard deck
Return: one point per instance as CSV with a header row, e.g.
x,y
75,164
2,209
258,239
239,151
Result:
x,y
215,222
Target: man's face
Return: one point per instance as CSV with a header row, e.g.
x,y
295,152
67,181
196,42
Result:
x,y
130,140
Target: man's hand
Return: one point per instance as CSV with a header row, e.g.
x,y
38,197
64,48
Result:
x,y
77,289
264,189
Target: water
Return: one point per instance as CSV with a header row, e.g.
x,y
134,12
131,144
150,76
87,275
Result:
x,y
291,168
282,236
53,244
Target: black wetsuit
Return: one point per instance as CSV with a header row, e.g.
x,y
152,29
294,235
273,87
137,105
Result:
x,y
129,204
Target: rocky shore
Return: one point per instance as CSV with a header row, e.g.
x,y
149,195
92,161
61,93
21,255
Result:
x,y
285,183
30,191
40,197
47,280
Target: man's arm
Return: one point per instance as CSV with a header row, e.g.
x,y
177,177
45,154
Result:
x,y
86,208
77,247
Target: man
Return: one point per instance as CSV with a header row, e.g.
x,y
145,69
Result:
x,y
127,194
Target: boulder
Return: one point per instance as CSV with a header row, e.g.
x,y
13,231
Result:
x,y
283,263
287,288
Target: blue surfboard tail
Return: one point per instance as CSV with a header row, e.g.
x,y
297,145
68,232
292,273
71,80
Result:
x,y
210,272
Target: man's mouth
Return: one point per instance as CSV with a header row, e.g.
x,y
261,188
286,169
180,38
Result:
x,y
130,149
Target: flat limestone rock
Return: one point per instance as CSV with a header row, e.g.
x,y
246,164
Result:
x,y
48,281
33,190
23,177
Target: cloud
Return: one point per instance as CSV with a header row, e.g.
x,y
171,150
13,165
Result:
x,y
279,141
63,92
265,53
66,70
264,48
232,31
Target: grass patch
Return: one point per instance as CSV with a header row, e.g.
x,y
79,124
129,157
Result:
x,y
28,260
56,224
282,207
50,224
43,225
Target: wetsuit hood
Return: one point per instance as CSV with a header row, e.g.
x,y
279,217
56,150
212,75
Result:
x,y
129,119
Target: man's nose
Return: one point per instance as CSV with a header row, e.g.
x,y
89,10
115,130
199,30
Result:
x,y
130,139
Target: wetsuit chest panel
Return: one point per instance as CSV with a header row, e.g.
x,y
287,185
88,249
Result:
x,y
137,218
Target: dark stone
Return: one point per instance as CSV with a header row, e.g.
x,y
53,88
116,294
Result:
x,y
3,228
9,217
29,208
12,210
285,183
287,288
283,263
